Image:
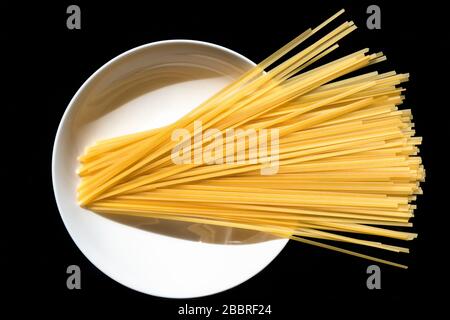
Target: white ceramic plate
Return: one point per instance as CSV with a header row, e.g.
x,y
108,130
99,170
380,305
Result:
x,y
147,87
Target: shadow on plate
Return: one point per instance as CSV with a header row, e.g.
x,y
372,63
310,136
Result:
x,y
193,231
102,99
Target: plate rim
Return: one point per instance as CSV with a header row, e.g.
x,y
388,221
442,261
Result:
x,y
80,90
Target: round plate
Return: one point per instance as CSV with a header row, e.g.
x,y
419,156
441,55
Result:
x,y
148,87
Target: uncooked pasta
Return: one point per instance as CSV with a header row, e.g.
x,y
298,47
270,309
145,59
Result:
x,y
295,148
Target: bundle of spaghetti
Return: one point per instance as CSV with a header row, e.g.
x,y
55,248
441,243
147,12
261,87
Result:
x,y
346,155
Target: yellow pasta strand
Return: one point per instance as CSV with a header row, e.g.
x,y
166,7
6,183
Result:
x,y
347,159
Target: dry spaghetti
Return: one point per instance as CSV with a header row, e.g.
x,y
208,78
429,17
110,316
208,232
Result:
x,y
347,156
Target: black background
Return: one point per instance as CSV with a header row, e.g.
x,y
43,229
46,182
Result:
x,y
45,64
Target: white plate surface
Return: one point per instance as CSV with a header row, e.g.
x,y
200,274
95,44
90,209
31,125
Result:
x,y
147,87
